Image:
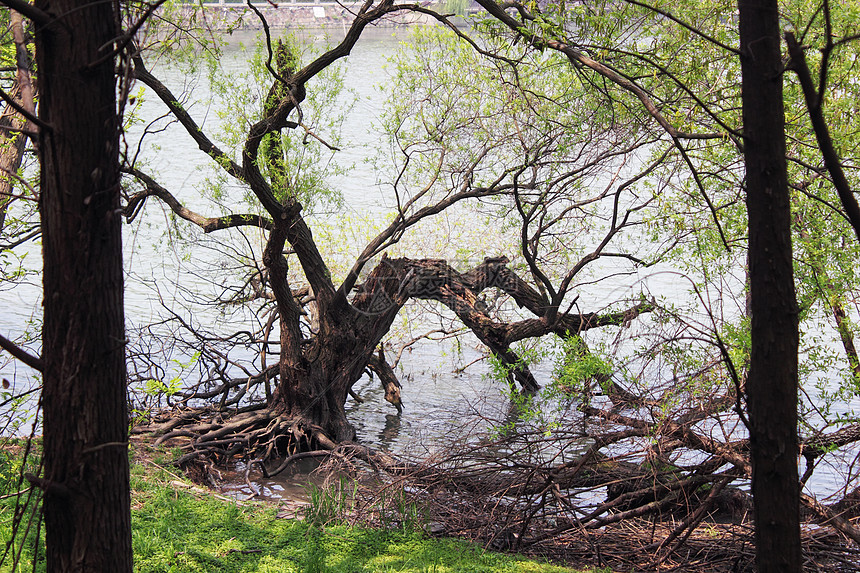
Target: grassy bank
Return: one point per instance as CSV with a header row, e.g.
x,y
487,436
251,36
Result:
x,y
177,528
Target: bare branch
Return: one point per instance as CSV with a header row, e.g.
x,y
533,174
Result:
x,y
23,111
34,362
827,517
127,38
172,102
208,224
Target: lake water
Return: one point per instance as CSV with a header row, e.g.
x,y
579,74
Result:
x,y
440,400
435,399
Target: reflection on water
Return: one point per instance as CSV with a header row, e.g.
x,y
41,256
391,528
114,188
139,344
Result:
x,y
391,431
294,483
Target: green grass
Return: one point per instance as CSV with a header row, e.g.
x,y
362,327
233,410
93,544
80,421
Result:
x,y
175,529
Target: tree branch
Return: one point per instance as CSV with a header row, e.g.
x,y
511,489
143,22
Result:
x,y
127,38
23,111
276,117
396,280
38,17
33,362
577,57
289,310
208,224
203,142
822,133
667,14
827,517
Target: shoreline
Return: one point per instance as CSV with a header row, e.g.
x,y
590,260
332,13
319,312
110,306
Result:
x,y
224,16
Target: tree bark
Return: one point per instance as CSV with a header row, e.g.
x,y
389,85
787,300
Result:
x,y
86,488
771,389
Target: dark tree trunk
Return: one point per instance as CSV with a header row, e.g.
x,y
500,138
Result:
x,y
316,377
86,501
772,384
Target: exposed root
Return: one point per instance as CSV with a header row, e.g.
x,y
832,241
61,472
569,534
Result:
x,y
205,436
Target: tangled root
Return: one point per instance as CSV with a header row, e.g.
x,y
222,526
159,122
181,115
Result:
x,y
260,437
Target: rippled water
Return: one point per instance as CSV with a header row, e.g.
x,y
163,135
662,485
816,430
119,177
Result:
x,y
439,402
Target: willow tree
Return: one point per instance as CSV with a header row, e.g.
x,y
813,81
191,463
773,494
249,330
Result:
x,y
493,149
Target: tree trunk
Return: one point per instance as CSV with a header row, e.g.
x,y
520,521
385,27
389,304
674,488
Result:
x,y
316,374
12,140
772,384
86,501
